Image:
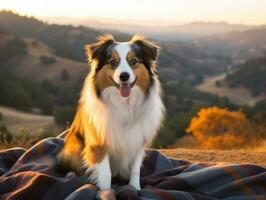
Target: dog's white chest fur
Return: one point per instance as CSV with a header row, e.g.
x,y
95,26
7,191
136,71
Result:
x,y
131,122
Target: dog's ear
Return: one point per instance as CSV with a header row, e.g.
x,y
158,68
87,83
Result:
x,y
148,48
98,50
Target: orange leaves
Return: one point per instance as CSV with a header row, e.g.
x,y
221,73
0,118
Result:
x,y
217,128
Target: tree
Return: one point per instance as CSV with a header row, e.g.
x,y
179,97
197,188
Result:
x,y
64,115
49,87
47,60
17,97
220,128
64,75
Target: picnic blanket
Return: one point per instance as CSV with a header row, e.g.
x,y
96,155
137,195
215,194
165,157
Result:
x,y
33,174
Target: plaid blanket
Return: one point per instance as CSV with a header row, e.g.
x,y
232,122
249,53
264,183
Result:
x,y
33,174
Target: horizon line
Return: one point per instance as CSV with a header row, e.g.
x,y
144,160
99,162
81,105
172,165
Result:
x,y
132,23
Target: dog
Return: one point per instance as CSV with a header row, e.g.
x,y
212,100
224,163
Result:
x,y
119,112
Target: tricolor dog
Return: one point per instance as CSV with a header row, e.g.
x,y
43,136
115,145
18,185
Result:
x,y
119,112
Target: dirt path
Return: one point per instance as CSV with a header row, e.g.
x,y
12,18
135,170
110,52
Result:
x,y
238,95
229,156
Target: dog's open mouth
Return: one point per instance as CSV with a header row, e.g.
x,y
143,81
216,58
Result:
x,y
124,88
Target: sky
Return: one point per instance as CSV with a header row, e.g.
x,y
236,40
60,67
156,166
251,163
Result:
x,y
251,12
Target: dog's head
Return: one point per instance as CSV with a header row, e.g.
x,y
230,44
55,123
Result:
x,y
123,65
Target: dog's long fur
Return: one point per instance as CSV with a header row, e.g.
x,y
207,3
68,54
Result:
x,y
109,132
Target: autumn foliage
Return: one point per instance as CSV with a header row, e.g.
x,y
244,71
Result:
x,y
217,128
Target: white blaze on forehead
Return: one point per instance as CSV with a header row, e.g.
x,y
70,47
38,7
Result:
x,y
123,49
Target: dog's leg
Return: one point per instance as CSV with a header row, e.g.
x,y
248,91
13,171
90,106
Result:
x,y
104,174
135,170
100,173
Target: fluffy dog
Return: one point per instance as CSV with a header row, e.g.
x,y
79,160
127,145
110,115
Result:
x,y
119,112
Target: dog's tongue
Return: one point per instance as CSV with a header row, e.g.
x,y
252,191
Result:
x,y
125,90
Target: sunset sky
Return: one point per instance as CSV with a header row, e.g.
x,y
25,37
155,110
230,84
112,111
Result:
x,y
233,11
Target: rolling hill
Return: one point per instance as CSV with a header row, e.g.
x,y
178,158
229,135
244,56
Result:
x,y
240,46
33,64
244,84
31,75
251,75
68,41
238,95
21,122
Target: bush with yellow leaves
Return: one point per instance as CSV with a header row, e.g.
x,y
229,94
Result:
x,y
217,128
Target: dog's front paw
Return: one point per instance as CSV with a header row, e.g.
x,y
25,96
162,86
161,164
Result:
x,y
100,178
135,183
106,195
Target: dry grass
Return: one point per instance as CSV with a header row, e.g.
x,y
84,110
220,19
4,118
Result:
x,y
193,155
224,156
18,122
31,67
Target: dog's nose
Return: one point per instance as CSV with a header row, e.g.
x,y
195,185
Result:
x,y
124,76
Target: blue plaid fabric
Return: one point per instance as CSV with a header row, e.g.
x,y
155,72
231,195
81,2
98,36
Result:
x,y
33,174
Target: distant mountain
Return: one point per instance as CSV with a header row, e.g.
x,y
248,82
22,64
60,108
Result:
x,y
239,45
159,30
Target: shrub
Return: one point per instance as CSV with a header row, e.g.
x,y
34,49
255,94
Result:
x,y
15,47
46,105
221,129
34,43
64,75
251,75
49,87
47,60
64,115
16,97
5,135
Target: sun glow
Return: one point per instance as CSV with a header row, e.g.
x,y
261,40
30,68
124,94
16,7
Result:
x,y
237,11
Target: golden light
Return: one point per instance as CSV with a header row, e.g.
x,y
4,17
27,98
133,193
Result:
x,y
237,11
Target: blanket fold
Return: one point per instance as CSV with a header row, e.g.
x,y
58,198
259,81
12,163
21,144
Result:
x,y
33,174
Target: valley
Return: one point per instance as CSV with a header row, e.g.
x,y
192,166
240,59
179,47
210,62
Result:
x,y
238,95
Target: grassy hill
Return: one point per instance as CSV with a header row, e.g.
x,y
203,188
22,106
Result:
x,y
243,85
42,63
68,41
32,75
21,122
238,95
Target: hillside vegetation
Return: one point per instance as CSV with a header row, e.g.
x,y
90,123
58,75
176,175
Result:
x,y
67,41
251,75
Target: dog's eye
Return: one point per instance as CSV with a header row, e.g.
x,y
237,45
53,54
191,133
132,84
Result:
x,y
113,63
133,62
